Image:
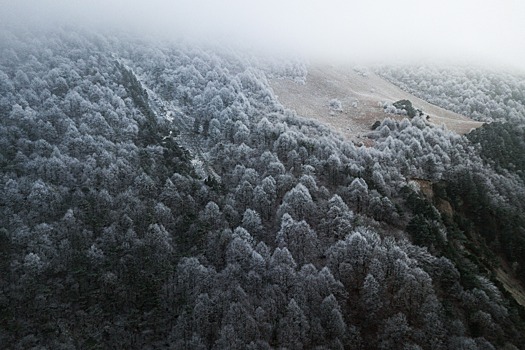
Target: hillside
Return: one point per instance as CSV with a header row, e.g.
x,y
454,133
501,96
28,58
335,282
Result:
x,y
157,195
361,93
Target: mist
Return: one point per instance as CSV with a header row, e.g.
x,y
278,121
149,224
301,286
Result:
x,y
467,31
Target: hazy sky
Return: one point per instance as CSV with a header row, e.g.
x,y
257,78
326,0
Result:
x,y
454,30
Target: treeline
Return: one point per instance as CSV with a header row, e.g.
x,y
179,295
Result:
x,y
290,238
481,94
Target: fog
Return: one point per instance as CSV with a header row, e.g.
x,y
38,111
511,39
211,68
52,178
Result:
x,y
458,31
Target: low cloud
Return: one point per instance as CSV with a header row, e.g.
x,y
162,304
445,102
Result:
x,y
380,31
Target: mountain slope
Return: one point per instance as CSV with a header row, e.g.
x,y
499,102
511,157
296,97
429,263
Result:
x,y
362,94
113,236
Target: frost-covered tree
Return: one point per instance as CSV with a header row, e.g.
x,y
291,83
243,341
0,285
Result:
x,y
298,237
297,203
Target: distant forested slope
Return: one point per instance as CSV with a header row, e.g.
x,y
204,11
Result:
x,y
158,196
478,93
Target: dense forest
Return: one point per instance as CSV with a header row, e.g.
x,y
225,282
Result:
x,y
157,195
479,93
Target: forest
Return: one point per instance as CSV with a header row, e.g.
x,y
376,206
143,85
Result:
x,y
157,195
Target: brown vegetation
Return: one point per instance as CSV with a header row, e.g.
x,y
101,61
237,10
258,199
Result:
x,y
361,96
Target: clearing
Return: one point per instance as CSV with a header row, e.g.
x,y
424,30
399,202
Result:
x,y
361,95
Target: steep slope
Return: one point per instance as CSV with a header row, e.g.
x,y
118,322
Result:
x,y
289,237
361,94
481,93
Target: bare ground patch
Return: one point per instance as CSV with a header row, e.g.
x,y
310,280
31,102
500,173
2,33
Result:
x,y
511,284
361,97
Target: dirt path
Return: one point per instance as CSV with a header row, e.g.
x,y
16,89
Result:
x,y
361,97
